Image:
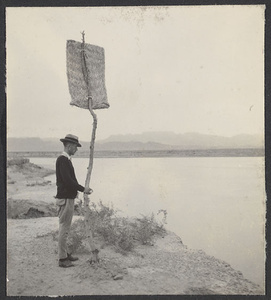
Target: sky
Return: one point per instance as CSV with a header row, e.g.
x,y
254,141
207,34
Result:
x,y
176,68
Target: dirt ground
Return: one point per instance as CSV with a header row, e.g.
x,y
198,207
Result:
x,y
166,267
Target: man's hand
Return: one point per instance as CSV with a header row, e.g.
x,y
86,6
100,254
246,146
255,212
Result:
x,y
88,191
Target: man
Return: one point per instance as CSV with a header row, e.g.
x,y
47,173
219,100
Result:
x,y
67,189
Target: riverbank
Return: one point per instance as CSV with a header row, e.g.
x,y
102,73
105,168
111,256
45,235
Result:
x,y
166,267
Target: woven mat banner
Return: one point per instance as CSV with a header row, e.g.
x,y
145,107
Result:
x,y
95,62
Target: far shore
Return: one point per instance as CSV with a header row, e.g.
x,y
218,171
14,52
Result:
x,y
248,152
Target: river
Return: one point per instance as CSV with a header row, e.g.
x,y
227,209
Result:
x,y
216,204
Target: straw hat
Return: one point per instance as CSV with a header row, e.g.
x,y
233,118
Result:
x,y
72,139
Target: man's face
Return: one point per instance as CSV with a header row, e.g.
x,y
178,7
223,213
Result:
x,y
72,148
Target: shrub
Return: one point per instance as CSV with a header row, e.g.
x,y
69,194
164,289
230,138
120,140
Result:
x,y
118,233
121,233
146,228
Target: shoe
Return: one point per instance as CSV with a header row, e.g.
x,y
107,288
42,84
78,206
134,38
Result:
x,y
72,258
65,263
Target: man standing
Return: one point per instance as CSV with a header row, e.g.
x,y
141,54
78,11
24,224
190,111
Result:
x,y
67,189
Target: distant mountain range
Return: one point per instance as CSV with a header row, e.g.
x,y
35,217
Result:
x,y
145,141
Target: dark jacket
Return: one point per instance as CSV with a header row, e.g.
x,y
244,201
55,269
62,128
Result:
x,y
67,185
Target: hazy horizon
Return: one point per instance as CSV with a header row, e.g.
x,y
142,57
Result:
x,y
148,141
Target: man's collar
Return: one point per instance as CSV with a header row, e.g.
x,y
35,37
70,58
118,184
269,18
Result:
x,y
66,155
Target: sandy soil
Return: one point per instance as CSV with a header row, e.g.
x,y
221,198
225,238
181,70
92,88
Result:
x,y
167,267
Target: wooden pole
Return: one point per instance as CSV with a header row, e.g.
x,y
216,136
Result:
x,y
94,250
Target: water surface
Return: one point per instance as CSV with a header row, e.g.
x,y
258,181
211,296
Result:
x,y
214,204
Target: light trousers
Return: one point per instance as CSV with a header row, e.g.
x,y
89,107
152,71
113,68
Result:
x,y
65,221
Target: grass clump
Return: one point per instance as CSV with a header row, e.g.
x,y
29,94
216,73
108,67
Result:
x,y
120,232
